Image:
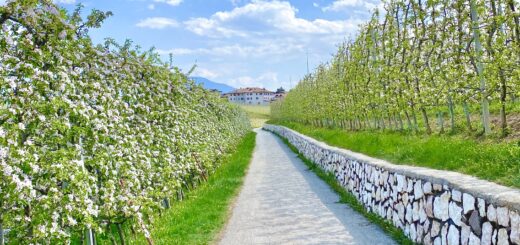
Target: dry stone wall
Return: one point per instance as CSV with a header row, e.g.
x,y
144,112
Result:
x,y
430,206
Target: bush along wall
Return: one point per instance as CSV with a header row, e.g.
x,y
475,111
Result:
x,y
93,136
430,206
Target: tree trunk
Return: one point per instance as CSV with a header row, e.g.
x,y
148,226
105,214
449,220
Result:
x,y
503,83
468,115
440,115
480,69
426,121
400,119
166,203
452,114
110,234
90,238
408,121
27,211
2,239
121,234
503,94
414,117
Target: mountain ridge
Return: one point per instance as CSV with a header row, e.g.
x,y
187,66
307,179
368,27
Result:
x,y
208,84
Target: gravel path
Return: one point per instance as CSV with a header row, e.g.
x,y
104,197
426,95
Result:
x,y
282,202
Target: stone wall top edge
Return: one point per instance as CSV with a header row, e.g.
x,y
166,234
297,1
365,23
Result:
x,y
491,192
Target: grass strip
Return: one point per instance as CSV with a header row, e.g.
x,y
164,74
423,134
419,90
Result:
x,y
497,162
200,217
347,198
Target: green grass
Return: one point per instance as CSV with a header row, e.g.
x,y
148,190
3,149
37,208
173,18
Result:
x,y
497,162
348,198
199,218
258,114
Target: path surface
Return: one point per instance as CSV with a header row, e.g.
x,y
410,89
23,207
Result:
x,y
282,202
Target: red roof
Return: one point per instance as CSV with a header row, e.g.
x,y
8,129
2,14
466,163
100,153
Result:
x,y
250,90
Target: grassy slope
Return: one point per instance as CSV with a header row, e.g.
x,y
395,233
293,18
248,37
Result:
x,y
497,162
199,218
348,198
258,114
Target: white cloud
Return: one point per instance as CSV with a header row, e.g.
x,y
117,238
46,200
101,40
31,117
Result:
x,y
151,6
203,72
65,1
210,27
340,5
157,23
260,49
169,2
268,80
276,15
316,5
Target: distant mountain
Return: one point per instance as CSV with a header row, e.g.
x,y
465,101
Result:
x,y
208,84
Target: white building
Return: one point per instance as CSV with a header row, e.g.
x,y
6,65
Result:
x,y
250,96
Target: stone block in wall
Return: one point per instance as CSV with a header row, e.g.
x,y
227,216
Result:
x,y
515,227
441,206
468,203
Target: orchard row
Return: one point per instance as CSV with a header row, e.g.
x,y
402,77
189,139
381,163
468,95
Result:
x,y
418,60
93,136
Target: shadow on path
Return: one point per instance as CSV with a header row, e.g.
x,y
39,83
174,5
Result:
x,y
282,202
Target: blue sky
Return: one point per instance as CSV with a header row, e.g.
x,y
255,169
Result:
x,y
237,42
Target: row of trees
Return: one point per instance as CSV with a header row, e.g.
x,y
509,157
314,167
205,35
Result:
x,y
422,58
94,136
